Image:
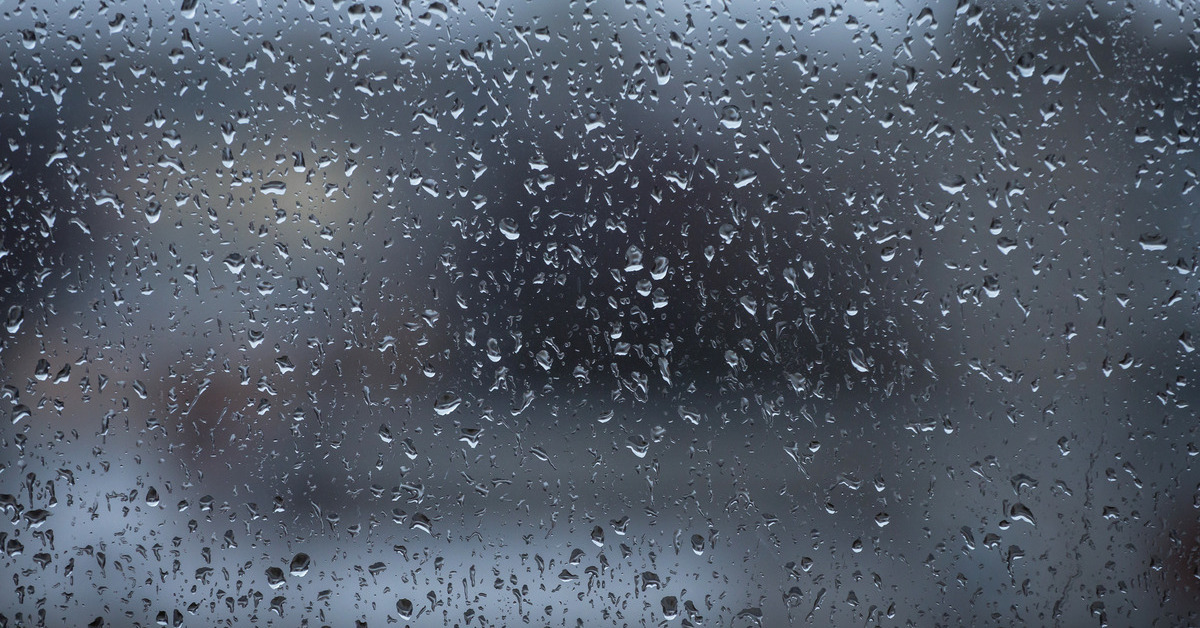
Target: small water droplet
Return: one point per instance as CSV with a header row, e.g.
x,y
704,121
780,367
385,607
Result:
x,y
299,565
447,402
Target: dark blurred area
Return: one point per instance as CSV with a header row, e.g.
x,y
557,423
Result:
x,y
599,313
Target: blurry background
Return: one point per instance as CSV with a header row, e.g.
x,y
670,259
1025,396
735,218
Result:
x,y
599,313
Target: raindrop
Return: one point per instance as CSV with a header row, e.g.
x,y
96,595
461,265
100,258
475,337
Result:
x,y
731,117
16,316
1153,242
299,565
447,403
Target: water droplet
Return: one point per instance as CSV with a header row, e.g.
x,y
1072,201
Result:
x,y
670,607
446,403
16,316
275,577
731,117
690,415
1153,242
299,565
662,72
273,187
509,228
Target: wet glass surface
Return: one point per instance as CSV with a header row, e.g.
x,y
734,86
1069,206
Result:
x,y
607,313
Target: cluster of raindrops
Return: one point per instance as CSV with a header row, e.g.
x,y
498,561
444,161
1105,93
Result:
x,y
600,312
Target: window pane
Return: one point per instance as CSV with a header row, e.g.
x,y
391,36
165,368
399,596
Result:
x,y
599,313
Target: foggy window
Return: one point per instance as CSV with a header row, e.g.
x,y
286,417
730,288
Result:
x,y
599,313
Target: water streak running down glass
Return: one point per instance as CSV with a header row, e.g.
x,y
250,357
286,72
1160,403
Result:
x,y
599,313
